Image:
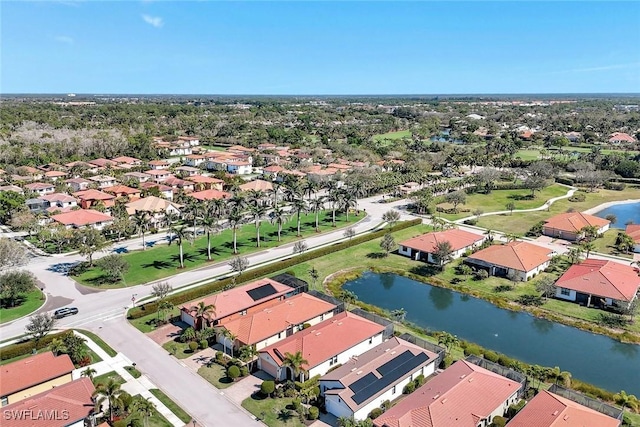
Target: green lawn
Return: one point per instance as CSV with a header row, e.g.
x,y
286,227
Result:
x,y
147,323
520,223
606,244
32,301
163,260
530,154
498,199
216,375
182,350
133,371
105,377
173,407
392,135
96,339
268,410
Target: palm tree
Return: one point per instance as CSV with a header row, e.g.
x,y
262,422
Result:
x,y
299,205
310,188
590,232
399,314
447,340
317,205
575,254
179,233
89,373
192,212
203,312
210,226
511,237
279,216
348,201
248,354
143,407
141,224
624,242
295,362
358,190
164,307
334,197
489,233
258,210
627,400
111,391
57,346
235,217
587,247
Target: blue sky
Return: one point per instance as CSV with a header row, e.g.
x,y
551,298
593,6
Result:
x,y
309,47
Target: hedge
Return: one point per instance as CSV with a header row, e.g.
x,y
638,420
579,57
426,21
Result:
x,y
26,347
218,285
564,180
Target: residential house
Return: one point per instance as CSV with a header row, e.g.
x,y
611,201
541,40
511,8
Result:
x,y
13,188
364,382
139,177
210,195
518,261
569,226
294,174
125,160
548,409
103,181
60,202
266,146
193,141
158,164
194,160
33,375
91,198
241,301
573,137
256,185
271,172
78,184
37,206
103,163
423,247
327,344
177,148
158,175
41,188
599,282
177,183
164,190
276,322
322,175
464,395
32,173
157,207
123,191
633,231
408,188
187,171
67,405
54,176
621,138
202,182
84,166
83,218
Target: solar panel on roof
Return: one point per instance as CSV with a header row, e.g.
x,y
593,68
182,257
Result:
x,y
390,371
262,292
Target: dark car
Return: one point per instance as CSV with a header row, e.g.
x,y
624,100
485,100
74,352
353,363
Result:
x,y
64,312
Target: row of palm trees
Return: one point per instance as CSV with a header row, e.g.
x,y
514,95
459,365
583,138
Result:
x,y
277,206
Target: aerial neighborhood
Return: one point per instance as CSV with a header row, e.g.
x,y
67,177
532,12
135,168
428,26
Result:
x,y
392,262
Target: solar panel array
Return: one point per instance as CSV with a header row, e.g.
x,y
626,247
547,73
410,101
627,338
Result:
x,y
390,372
261,292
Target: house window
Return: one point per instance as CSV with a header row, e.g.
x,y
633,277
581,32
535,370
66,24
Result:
x,y
4,400
371,340
243,313
565,292
322,317
393,390
333,360
279,335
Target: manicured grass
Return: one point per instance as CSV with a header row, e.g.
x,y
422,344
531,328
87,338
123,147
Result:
x,y
94,357
531,154
216,375
105,377
271,409
171,405
520,223
497,200
157,420
182,350
163,260
133,371
606,244
96,339
31,302
147,323
392,135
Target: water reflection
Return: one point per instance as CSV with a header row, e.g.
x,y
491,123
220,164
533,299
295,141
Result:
x,y
629,351
541,325
387,280
441,298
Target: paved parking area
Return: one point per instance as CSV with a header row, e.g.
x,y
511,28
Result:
x,y
166,333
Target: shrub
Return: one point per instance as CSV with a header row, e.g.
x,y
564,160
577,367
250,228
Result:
x,y
233,372
26,347
420,380
564,180
204,344
375,413
472,349
471,221
446,362
120,423
314,413
502,288
578,197
193,346
491,356
534,300
536,230
267,388
409,388
616,186
306,325
499,422
290,272
464,269
244,371
481,274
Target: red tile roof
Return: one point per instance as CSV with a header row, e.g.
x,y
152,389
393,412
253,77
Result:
x,y
59,407
258,185
158,172
39,186
159,163
622,137
296,310
521,256
127,160
54,174
121,189
161,187
574,221
200,179
550,410
59,197
82,217
92,194
458,239
462,396
32,371
102,162
326,339
603,278
210,195
633,230
237,299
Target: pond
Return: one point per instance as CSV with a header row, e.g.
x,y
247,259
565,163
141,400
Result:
x,y
596,359
624,213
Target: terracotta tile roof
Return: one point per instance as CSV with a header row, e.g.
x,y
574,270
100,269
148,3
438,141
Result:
x,y
574,221
137,175
633,231
65,405
462,395
39,186
121,189
126,160
210,195
161,187
54,174
201,179
358,367
32,371
240,148
238,299
195,156
603,278
177,182
187,169
258,185
102,162
296,310
92,194
550,410
59,197
151,204
521,256
81,217
13,188
29,169
158,172
326,339
273,168
78,181
79,163
621,136
159,163
457,238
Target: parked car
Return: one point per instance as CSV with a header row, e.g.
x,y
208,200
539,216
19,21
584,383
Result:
x,y
64,312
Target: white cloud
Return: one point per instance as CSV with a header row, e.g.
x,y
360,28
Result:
x,y
155,21
64,39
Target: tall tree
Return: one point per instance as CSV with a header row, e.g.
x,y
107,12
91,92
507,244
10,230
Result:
x,y
89,241
296,363
391,217
39,326
204,312
179,233
299,205
141,224
387,244
12,253
111,391
317,205
279,216
443,252
258,211
14,284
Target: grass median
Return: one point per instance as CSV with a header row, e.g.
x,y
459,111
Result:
x,y
30,303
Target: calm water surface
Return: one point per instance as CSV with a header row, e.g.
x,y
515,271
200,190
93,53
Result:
x,y
624,213
596,359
